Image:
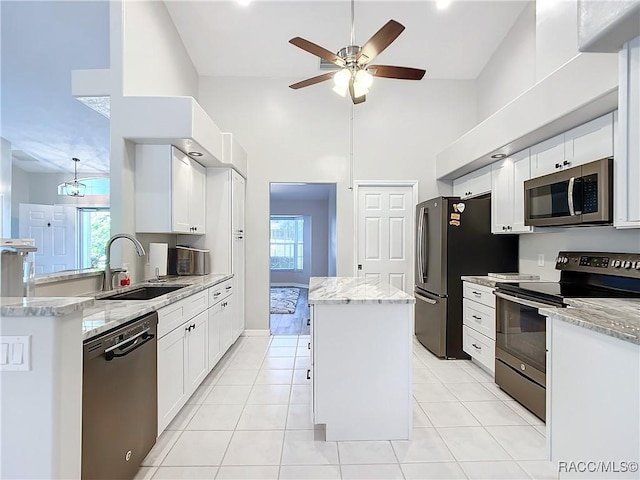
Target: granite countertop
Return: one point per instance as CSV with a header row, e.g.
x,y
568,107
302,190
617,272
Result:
x,y
102,315
108,314
615,317
488,281
42,306
67,275
343,290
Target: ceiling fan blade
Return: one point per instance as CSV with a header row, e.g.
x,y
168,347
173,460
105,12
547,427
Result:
x,y
313,80
317,50
352,92
380,40
402,73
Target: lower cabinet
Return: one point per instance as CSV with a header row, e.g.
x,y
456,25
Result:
x,y
479,324
361,370
194,334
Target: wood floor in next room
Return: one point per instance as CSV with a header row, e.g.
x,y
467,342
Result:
x,y
293,323
251,419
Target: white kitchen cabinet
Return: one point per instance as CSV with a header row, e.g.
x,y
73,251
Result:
x,y
547,156
226,209
586,143
170,191
182,354
219,329
479,324
361,357
196,359
627,157
171,377
507,193
592,382
473,184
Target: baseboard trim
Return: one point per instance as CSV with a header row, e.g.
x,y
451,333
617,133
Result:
x,y
256,333
289,284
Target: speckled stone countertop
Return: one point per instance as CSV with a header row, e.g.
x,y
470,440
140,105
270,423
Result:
x,y
490,282
67,275
615,317
102,315
343,290
108,314
42,306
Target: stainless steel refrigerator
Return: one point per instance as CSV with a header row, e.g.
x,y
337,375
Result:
x,y
453,238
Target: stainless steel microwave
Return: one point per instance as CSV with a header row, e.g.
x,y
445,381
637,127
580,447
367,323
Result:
x,y
577,195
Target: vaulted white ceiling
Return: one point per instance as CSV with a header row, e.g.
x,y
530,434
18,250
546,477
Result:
x,y
42,41
227,39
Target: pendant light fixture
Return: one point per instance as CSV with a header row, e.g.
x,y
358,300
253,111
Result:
x,y
74,188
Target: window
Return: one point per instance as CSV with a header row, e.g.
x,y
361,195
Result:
x,y
93,234
287,242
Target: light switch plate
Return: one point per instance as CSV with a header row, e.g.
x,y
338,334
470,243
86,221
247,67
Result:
x,y
18,353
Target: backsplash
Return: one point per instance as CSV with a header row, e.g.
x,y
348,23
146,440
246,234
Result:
x,y
594,239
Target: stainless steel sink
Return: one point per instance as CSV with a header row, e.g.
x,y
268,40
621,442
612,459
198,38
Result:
x,y
143,293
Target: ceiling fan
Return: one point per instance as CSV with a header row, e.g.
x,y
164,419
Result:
x,y
356,74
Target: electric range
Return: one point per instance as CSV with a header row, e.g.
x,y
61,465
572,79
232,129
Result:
x,y
520,367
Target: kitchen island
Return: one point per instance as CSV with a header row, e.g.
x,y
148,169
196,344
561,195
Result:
x,y
361,348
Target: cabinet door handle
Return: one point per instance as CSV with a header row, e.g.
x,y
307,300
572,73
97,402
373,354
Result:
x,y
217,294
309,374
193,326
228,287
188,329
477,318
558,165
309,346
504,228
476,346
566,163
308,322
477,294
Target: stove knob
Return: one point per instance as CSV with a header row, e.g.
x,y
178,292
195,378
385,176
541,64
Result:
x,y
615,263
565,260
627,264
637,267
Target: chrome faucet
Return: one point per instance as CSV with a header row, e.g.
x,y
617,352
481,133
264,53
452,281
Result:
x,y
108,273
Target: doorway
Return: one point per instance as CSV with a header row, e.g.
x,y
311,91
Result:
x,y
302,245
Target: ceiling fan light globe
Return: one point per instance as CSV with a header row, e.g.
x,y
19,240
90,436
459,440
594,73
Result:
x,y
341,79
359,90
364,79
341,90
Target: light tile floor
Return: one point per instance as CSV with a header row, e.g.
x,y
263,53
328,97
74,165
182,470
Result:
x,y
250,419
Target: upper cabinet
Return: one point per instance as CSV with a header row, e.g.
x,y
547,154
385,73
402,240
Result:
x,y
583,144
170,191
473,184
626,208
507,193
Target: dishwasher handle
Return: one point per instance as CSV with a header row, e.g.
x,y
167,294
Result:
x,y
139,340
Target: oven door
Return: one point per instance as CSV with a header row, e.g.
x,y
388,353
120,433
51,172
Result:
x,y
521,335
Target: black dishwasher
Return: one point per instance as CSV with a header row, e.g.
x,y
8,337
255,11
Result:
x,y
119,399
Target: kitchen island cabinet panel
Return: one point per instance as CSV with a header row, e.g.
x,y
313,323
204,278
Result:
x,y
361,368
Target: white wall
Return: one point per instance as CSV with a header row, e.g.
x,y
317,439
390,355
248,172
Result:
x,y
5,188
512,68
556,34
303,136
19,194
332,248
316,252
155,60
147,57
594,239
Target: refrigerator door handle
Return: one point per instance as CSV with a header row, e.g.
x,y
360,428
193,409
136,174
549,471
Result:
x,y
425,299
419,247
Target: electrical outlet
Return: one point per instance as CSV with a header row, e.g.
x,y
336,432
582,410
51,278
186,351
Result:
x,y
541,259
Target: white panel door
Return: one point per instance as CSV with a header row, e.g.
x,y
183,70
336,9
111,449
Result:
x,y
385,234
54,229
181,185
